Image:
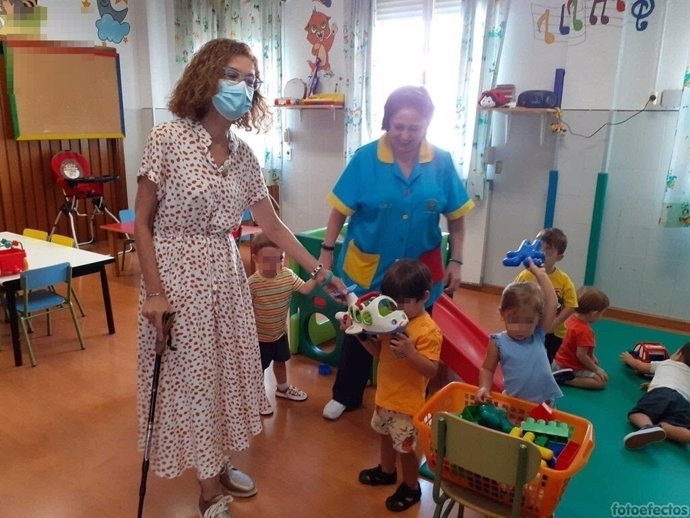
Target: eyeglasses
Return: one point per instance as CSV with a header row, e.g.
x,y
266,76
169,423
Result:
x,y
235,76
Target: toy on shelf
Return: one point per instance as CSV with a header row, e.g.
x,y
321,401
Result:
x,y
527,250
372,313
12,258
492,99
500,95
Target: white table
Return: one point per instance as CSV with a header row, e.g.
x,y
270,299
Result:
x,y
43,253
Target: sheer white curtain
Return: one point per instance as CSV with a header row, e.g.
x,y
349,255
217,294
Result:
x,y
258,24
676,207
356,35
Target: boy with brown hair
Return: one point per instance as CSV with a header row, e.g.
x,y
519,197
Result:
x,y
664,411
407,360
271,287
554,242
577,350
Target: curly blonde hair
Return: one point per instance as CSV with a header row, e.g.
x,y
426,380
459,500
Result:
x,y
192,95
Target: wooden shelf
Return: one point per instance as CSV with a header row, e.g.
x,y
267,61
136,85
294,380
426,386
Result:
x,y
302,107
510,110
522,109
310,106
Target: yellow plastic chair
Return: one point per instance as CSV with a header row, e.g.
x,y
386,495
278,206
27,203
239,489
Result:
x,y
36,234
39,299
495,458
59,239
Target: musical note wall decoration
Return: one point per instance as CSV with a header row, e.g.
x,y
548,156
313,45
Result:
x,y
593,17
544,20
577,24
641,9
577,15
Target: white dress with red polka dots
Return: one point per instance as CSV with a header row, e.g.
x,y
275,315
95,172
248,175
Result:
x,y
211,387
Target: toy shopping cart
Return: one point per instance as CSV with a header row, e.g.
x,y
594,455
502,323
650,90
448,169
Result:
x,y
542,494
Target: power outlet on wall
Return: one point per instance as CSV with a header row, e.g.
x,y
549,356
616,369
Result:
x,y
288,152
655,98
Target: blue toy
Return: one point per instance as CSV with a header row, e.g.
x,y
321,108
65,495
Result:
x,y
526,251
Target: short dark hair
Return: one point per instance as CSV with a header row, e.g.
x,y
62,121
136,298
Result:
x,y
554,237
415,97
685,353
261,241
590,299
406,279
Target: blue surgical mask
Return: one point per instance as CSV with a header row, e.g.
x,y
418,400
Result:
x,y
233,100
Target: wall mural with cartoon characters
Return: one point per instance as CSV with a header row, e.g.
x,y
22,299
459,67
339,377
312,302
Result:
x,y
111,25
321,34
28,18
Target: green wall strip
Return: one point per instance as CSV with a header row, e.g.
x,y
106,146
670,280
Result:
x,y
595,229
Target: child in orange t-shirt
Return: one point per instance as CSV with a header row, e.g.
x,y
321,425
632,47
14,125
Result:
x,y
406,362
577,350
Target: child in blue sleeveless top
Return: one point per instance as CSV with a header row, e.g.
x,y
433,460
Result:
x,y
527,308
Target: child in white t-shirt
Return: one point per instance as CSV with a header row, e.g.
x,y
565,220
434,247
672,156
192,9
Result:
x,y
664,411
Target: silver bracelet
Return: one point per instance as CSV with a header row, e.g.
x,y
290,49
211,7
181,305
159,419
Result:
x,y
316,271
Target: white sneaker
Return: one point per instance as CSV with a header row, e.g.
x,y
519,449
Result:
x,y
292,393
266,411
333,410
644,436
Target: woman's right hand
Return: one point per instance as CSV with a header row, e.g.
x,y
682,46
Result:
x,y
153,310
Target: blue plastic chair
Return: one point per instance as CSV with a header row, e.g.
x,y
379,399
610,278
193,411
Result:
x,y
38,299
126,215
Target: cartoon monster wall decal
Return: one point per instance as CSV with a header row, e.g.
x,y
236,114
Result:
x,y
321,34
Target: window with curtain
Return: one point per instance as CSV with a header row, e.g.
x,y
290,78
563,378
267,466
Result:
x,y
417,42
258,24
453,48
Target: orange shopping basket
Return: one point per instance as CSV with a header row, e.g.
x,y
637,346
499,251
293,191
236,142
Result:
x,y
542,494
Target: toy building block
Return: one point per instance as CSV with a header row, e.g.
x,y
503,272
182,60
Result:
x,y
556,431
542,411
471,413
567,455
541,440
556,448
526,251
494,417
546,454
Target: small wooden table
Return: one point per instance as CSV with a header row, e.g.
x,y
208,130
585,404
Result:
x,y
113,229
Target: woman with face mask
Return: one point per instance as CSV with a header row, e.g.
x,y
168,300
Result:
x,y
195,180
